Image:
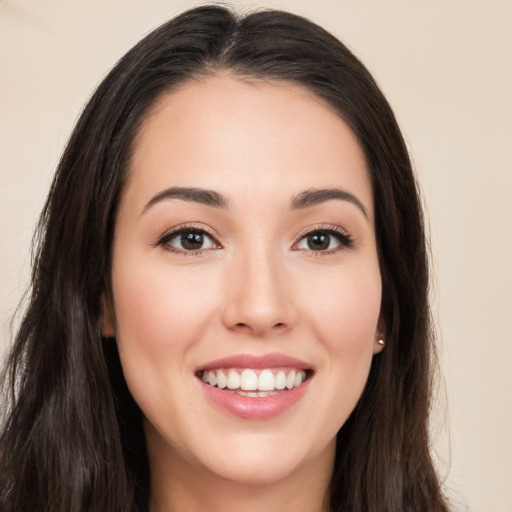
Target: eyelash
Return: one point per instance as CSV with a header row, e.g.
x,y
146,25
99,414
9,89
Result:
x,y
170,235
344,239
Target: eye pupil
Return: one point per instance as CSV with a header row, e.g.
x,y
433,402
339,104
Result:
x,y
191,240
318,241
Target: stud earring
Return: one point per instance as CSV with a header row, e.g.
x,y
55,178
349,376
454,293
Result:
x,y
381,342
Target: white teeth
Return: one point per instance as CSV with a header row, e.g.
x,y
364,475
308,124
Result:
x,y
222,380
233,380
212,378
250,394
290,380
249,380
249,383
299,379
266,381
280,380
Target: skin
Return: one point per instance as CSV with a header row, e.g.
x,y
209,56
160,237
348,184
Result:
x,y
257,288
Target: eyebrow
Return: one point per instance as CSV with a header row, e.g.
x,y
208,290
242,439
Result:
x,y
195,195
306,199
313,197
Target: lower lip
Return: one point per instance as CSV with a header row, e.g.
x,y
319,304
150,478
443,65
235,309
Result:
x,y
255,408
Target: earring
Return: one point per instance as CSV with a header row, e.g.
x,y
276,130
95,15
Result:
x,y
381,342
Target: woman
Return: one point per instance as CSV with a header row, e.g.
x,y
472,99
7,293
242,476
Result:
x,y
229,301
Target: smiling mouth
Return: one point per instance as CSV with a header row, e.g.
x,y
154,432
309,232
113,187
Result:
x,y
255,383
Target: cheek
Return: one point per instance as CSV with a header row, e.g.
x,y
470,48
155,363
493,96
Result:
x,y
345,309
160,314
341,311
344,317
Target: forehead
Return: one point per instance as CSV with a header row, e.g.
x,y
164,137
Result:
x,y
223,132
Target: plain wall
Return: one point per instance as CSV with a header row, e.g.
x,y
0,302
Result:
x,y
445,66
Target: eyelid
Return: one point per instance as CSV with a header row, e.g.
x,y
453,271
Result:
x,y
346,241
176,230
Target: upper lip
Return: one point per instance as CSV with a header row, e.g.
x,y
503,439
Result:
x,y
273,360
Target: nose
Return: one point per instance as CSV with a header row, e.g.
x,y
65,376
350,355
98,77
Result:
x,y
259,295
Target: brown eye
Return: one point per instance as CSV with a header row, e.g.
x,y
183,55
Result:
x,y
188,240
192,241
324,240
318,241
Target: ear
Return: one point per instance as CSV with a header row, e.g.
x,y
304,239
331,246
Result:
x,y
107,318
380,339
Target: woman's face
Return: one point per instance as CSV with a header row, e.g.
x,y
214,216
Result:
x,y
245,256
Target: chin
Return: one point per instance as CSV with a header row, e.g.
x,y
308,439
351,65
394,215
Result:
x,y
259,460
263,470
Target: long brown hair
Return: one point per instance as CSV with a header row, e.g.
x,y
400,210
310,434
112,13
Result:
x,y
72,439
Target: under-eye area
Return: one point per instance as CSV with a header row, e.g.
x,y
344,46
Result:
x,y
255,383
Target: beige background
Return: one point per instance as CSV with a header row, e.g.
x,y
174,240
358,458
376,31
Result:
x,y
446,68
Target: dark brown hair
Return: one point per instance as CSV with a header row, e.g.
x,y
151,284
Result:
x,y
72,439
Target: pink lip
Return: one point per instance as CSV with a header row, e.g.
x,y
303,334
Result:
x,y
273,360
261,408
252,408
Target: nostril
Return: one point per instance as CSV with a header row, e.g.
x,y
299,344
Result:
x,y
243,326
